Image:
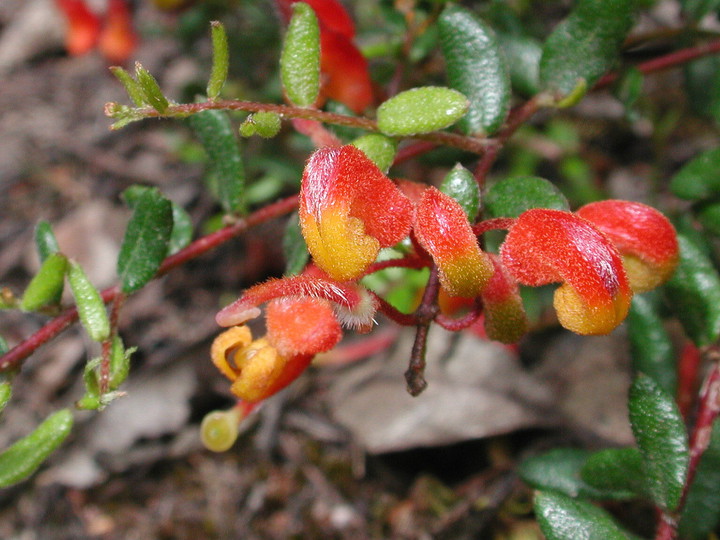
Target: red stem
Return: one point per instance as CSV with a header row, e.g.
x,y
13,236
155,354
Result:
x,y
688,372
21,351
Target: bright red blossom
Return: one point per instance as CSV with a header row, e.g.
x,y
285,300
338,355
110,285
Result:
x,y
546,246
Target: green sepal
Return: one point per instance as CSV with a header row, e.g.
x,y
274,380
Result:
x,y
421,110
46,286
660,433
650,345
379,148
150,89
513,196
300,57
45,240
90,306
585,45
476,67
25,456
564,518
460,184
294,247
226,173
146,241
693,291
220,60
132,87
698,179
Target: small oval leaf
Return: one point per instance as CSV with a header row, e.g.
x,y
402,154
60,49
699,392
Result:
x,y
90,306
220,60
47,285
45,240
513,196
585,45
146,241
379,148
563,518
698,179
300,57
25,456
660,434
650,345
616,469
694,292
460,184
151,89
523,59
421,110
476,67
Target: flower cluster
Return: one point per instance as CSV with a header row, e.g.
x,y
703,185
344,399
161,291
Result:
x,y
349,210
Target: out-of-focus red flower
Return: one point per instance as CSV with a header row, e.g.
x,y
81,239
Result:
x,y
644,237
443,230
84,26
349,210
330,13
548,246
118,39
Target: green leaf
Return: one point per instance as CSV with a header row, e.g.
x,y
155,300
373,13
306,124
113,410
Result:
x,y
294,247
151,89
45,240
560,470
513,196
119,362
378,148
132,87
650,345
146,241
523,55
701,512
694,292
660,434
3,346
25,456
476,67
697,9
226,178
220,60
617,470
90,306
628,90
5,394
563,518
708,215
460,184
585,45
300,57
702,82
266,124
421,110
698,179
46,286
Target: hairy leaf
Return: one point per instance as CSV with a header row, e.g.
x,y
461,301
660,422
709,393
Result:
x,y
47,285
90,306
220,60
421,110
698,179
300,58
461,185
513,196
616,469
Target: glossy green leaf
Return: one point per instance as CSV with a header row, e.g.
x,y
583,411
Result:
x,y
702,83
132,87
460,184
378,148
560,470
585,45
697,9
146,241
119,362
294,247
693,292
523,55
421,110
513,196
151,89
619,470
701,512
563,518
90,306
660,434
25,456
698,179
46,286
476,67
182,230
300,57
226,174
220,60
45,240
651,347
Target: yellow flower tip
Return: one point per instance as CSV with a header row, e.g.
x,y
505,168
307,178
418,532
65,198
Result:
x,y
506,321
645,277
465,275
338,244
224,347
578,316
259,366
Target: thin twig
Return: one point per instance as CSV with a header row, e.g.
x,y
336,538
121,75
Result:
x,y
415,374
